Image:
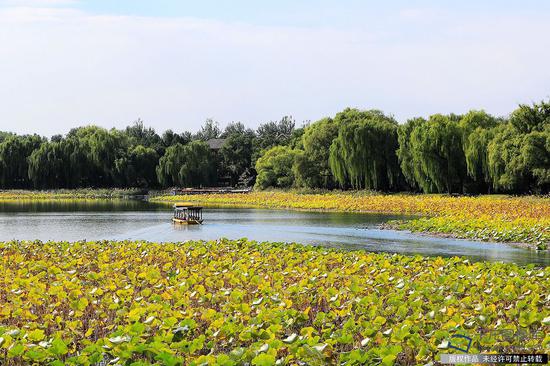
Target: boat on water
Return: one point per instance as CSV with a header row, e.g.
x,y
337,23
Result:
x,y
187,213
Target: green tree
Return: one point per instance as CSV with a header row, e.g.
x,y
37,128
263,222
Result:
x,y
105,147
190,165
519,153
535,152
137,168
81,171
410,166
170,138
14,151
47,166
138,134
273,134
5,135
526,119
478,129
363,155
210,130
437,151
275,168
236,153
169,165
312,168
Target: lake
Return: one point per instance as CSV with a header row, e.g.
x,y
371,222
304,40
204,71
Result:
x,y
140,220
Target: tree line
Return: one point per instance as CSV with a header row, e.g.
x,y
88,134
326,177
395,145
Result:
x,y
356,149
137,156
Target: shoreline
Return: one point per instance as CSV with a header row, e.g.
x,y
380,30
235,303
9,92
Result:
x,y
497,217
528,246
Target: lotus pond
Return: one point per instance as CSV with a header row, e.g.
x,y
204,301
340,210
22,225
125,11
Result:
x,y
240,302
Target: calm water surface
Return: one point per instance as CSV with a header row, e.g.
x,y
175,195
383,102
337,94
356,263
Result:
x,y
139,220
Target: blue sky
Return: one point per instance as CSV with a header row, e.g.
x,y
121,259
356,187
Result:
x,y
300,12
65,63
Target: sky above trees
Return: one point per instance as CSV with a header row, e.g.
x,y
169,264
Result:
x,y
65,63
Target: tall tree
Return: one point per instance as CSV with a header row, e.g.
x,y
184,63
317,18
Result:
x,y
437,152
190,165
14,151
519,153
170,138
236,154
137,167
210,130
145,136
409,163
273,134
312,168
477,131
47,166
274,168
363,155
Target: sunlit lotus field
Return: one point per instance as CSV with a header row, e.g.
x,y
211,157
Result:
x,y
494,218
239,302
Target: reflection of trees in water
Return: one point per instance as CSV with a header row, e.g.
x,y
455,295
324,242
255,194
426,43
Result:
x,y
69,205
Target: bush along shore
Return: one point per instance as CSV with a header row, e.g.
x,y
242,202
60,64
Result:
x,y
500,218
232,302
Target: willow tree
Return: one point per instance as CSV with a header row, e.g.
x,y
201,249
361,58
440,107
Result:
x,y
198,168
169,165
312,167
519,153
478,128
190,165
101,149
410,167
476,151
14,151
363,155
47,167
437,153
136,168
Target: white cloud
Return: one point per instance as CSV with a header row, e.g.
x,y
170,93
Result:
x,y
60,67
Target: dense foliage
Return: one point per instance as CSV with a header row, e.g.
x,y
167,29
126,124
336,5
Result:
x,y
363,155
470,153
137,156
238,302
275,167
494,218
186,165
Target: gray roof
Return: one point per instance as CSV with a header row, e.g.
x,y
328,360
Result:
x,y
215,144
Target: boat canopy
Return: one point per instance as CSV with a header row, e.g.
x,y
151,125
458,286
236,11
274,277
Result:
x,y
185,212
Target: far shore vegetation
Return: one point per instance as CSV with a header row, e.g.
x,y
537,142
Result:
x,y
357,160
473,153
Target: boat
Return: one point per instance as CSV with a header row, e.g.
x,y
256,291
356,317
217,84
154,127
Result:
x,y
187,213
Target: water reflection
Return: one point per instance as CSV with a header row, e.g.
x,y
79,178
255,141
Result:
x,y
138,220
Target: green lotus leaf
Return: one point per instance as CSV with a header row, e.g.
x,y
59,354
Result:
x,y
58,347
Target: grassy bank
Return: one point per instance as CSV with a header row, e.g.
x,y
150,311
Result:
x,y
494,218
235,302
68,194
